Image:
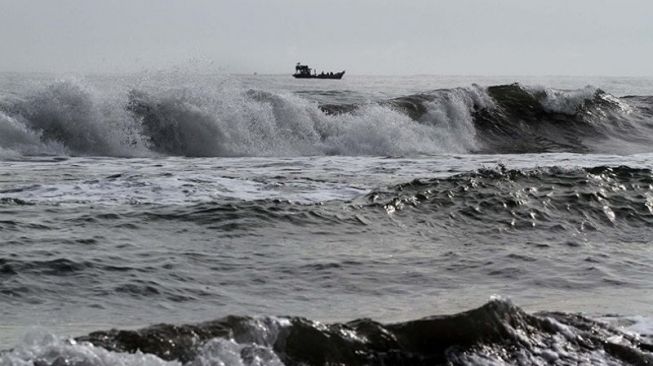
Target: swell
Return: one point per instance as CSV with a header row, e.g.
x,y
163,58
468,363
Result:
x,y
72,118
495,333
601,198
545,120
610,200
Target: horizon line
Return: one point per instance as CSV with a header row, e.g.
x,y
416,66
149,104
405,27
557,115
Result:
x,y
189,72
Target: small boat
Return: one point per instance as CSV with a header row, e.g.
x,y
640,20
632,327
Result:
x,y
305,72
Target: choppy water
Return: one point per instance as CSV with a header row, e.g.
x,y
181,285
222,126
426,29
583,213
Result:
x,y
267,214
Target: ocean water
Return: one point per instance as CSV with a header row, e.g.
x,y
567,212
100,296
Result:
x,y
177,218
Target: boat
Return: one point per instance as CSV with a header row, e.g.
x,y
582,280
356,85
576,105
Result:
x,y
305,72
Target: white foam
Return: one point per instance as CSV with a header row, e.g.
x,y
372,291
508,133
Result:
x,y
48,348
17,139
567,101
188,188
256,123
227,352
227,120
40,346
70,117
450,114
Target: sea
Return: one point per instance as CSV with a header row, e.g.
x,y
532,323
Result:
x,y
186,218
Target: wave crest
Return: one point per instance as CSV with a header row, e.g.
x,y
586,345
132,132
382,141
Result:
x,y
83,123
599,198
495,333
70,118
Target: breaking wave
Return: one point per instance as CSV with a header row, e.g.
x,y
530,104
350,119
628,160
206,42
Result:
x,y
70,118
497,333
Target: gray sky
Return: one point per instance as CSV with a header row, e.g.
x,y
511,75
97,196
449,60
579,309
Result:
x,y
480,37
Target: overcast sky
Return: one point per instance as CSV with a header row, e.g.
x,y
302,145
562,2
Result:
x,y
479,37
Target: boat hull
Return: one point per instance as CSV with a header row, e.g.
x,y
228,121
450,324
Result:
x,y
336,76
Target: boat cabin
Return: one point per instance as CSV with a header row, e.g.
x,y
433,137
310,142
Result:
x,y
302,69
